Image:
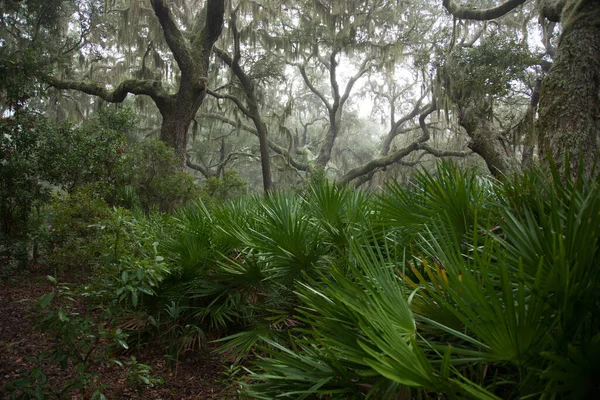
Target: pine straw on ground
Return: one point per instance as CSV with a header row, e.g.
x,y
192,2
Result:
x,y
197,376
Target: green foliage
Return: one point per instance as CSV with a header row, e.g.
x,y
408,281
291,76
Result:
x,y
96,169
20,188
236,265
490,68
449,197
18,82
493,298
89,153
79,346
154,171
138,375
83,342
76,244
457,286
230,186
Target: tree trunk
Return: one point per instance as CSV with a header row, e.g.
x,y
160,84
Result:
x,y
265,160
569,111
325,151
174,133
486,140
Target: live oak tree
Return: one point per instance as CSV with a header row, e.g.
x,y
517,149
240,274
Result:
x,y
475,80
191,50
568,125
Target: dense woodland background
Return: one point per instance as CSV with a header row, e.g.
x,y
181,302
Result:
x,y
348,198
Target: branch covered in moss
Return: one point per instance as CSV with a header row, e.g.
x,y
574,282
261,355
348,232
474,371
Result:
x,y
154,89
464,12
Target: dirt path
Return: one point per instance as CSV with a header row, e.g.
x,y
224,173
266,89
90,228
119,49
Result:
x,y
196,377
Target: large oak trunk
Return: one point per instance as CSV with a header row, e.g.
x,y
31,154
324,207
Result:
x,y
174,133
569,111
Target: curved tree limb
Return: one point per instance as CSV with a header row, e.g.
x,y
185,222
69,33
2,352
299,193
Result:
x,y
364,67
397,156
232,98
395,130
204,171
154,89
465,12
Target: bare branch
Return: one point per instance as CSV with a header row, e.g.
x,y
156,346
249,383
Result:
x,y
363,69
379,163
312,88
395,131
273,146
199,168
232,98
397,156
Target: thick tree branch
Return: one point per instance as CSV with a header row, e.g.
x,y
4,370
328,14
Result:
x,y
379,163
397,156
153,89
199,168
174,37
465,12
395,131
424,127
209,25
551,9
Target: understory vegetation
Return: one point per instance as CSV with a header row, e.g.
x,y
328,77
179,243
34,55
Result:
x,y
454,285
299,199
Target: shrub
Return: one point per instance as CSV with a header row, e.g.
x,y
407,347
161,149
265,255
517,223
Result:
x,y
230,186
76,242
153,171
490,299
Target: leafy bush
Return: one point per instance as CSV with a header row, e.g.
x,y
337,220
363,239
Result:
x,y
76,243
230,186
83,342
20,187
487,69
153,171
236,265
73,156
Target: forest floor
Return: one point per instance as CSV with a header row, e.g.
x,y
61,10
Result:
x,y
201,376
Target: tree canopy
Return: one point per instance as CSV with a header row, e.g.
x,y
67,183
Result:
x,y
290,82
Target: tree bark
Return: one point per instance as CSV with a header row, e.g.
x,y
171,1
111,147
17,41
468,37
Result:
x,y
486,139
569,110
569,107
